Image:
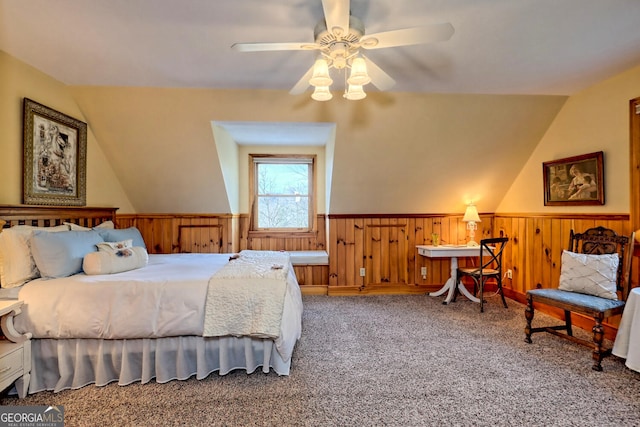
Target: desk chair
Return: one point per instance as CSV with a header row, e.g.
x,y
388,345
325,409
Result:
x,y
489,267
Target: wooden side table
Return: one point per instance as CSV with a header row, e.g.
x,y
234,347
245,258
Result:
x,y
15,350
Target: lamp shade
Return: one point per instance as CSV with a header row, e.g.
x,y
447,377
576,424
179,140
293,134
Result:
x,y
471,214
355,93
321,93
359,74
320,74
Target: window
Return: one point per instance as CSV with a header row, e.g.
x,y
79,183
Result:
x,y
282,194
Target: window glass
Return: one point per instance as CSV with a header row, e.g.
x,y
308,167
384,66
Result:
x,y
283,196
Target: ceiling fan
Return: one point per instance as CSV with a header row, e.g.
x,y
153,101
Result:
x,y
339,37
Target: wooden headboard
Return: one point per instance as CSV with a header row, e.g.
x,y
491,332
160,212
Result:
x,y
47,216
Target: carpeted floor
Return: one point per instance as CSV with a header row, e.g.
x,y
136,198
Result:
x,y
387,360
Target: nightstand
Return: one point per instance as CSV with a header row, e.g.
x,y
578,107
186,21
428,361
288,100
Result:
x,y
15,350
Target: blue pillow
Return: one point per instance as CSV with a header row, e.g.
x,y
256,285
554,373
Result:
x,y
61,254
120,234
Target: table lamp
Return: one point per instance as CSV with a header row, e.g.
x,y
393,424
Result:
x,y
471,217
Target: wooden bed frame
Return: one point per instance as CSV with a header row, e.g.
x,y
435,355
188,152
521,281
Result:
x,y
47,216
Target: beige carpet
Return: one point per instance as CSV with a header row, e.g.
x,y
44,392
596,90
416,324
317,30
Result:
x,y
387,361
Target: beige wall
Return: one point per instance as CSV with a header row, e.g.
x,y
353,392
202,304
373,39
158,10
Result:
x,y
596,119
393,152
228,155
18,81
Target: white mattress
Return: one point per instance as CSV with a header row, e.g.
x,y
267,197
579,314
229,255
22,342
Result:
x,y
164,299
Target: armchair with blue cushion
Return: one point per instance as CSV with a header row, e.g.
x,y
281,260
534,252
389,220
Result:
x,y
594,282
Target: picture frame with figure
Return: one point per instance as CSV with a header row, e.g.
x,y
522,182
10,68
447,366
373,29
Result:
x,y
55,157
574,181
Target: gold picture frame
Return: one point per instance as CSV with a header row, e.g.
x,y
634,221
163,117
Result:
x,y
574,181
55,157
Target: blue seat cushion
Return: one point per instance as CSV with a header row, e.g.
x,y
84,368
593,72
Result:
x,y
589,302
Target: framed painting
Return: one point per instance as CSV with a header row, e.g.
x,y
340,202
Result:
x,y
574,181
55,157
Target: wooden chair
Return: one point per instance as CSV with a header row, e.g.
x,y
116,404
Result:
x,y
489,267
598,240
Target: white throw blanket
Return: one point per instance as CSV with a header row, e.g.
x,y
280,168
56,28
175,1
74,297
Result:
x,y
246,296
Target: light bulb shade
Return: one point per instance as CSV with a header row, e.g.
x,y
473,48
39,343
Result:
x,y
320,74
359,74
355,93
321,93
471,214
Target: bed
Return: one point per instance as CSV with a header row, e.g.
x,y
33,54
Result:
x,y
173,317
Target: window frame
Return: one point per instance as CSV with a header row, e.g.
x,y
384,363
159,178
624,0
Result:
x,y
254,161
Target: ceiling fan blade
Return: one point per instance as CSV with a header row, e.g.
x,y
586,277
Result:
x,y
303,83
336,14
379,78
258,47
408,36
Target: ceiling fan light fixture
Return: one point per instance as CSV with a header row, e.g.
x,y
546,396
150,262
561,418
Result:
x,y
359,76
321,74
321,93
355,93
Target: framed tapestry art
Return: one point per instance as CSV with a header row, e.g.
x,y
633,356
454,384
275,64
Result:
x,y
55,157
575,180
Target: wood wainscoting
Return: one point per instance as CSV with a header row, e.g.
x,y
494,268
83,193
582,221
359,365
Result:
x,y
185,233
385,247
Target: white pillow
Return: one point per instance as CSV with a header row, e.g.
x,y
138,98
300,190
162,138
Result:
x,y
61,254
76,227
17,263
104,262
114,247
589,274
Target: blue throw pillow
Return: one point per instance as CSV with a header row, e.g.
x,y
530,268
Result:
x,y
120,234
61,254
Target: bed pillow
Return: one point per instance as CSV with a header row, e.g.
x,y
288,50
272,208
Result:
x,y
114,247
106,262
589,274
76,227
17,265
61,254
120,234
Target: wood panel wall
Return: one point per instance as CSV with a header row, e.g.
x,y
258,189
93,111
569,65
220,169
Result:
x,y
274,241
385,246
178,233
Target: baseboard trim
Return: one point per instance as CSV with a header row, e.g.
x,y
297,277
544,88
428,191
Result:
x,y
381,289
313,290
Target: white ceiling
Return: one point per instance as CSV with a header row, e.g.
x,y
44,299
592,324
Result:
x,y
555,47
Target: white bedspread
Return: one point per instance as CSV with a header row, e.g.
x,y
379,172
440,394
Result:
x,y
246,296
164,299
